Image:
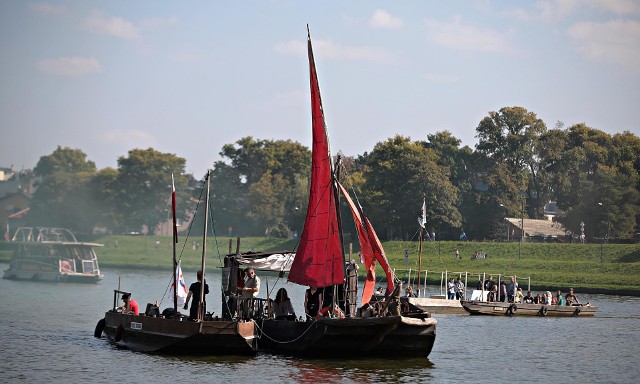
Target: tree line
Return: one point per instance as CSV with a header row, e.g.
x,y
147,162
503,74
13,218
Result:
x,y
261,186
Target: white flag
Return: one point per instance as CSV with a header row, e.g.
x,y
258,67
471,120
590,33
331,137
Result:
x,y
182,286
422,219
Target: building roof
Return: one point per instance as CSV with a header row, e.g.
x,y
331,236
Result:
x,y
533,227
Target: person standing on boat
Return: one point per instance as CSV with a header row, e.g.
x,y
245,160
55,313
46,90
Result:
x,y
489,284
194,293
459,289
503,292
451,289
312,301
130,305
559,298
249,291
251,285
512,289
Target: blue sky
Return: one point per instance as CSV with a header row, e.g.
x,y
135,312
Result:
x,y
189,77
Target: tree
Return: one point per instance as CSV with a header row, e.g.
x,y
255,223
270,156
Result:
x,y
511,136
264,184
144,187
399,174
60,200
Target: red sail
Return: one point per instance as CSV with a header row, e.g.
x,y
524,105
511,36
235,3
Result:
x,y
365,248
319,260
378,252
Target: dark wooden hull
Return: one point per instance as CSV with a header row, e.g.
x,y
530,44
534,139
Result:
x,y
57,277
169,336
391,336
542,310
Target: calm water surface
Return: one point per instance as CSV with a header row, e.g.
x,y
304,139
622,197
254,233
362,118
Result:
x,y
46,335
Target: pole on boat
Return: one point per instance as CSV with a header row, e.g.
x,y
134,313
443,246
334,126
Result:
x,y
419,257
204,249
174,242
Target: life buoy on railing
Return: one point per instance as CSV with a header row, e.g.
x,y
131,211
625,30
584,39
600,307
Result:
x,y
543,311
99,328
119,332
576,312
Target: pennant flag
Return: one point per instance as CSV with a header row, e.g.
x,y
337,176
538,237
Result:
x,y
182,286
422,219
173,210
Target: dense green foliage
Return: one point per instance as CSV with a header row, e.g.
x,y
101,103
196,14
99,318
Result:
x,y
261,186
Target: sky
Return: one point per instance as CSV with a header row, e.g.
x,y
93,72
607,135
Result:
x,y
187,78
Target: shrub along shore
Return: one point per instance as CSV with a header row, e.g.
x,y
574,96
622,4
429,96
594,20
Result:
x,y
589,268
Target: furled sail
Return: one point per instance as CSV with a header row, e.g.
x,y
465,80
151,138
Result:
x,y
319,260
378,252
365,248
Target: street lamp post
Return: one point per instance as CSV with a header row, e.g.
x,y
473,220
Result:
x,y
505,219
521,230
607,235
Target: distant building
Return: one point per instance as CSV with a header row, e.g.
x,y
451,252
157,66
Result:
x,y
537,230
13,207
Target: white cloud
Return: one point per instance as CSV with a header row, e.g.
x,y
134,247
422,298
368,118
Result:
x,y
615,41
554,10
48,9
111,26
331,50
128,139
456,35
382,19
158,22
441,78
70,66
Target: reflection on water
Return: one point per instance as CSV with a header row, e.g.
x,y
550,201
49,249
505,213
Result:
x,y
46,334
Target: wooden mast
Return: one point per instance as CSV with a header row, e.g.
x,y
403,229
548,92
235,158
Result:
x,y
204,250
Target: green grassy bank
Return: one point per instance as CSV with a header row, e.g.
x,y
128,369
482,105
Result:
x,y
608,268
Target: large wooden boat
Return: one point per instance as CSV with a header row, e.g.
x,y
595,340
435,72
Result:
x,y
374,329
52,254
173,333
518,309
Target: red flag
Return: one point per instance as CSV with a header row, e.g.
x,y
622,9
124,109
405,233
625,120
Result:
x,y
173,210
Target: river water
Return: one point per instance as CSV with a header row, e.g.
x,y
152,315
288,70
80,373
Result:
x,y
46,335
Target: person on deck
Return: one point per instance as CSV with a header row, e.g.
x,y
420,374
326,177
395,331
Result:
x,y
503,292
571,298
518,297
538,299
281,306
559,298
489,284
251,285
512,289
459,289
130,305
251,289
194,295
493,294
312,302
528,299
451,289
